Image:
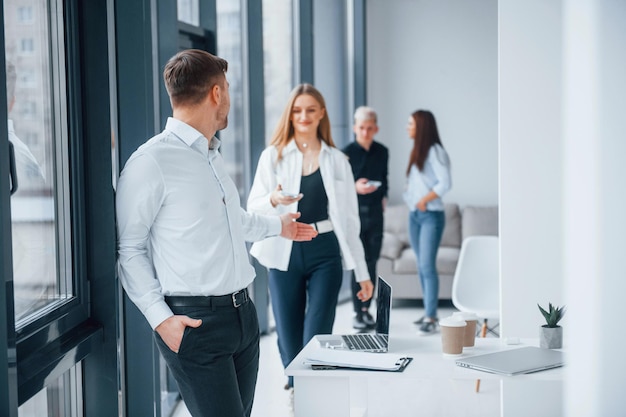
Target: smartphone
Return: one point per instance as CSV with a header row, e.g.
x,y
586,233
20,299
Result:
x,y
374,183
286,194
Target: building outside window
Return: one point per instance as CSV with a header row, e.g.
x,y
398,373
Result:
x,y
278,58
27,78
27,46
188,11
42,272
25,14
229,46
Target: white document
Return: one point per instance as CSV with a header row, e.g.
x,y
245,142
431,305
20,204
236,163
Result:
x,y
359,360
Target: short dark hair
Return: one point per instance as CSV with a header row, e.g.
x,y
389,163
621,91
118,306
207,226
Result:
x,y
190,74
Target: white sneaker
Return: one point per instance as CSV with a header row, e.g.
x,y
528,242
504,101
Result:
x,y
290,404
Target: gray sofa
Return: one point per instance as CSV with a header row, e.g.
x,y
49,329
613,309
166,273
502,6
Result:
x,y
397,263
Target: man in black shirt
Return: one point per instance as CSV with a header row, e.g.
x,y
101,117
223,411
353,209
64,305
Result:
x,y
369,160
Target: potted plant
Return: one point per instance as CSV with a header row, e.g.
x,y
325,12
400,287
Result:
x,y
551,336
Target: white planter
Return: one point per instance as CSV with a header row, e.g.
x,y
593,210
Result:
x,y
551,337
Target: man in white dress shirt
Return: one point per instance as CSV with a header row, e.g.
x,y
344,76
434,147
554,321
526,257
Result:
x,y
182,254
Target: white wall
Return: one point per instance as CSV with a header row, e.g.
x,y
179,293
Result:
x,y
439,56
530,162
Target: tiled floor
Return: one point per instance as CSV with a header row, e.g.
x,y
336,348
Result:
x,y
271,400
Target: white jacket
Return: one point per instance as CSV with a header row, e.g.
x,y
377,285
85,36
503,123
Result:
x,y
274,252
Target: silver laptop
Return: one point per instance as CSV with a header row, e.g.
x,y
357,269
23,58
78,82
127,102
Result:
x,y
366,342
515,361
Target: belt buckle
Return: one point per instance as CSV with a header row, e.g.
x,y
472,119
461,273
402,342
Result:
x,y
236,304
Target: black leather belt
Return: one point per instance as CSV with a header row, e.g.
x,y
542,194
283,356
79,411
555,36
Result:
x,y
235,300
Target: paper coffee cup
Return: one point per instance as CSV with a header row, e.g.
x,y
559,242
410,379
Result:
x,y
452,335
470,330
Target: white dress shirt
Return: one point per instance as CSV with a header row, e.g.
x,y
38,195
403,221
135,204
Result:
x,y
435,176
181,228
343,209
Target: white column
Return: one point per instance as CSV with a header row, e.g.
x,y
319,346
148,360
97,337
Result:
x,y
594,139
530,162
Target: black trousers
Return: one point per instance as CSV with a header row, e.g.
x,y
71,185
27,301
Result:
x,y
304,298
372,239
217,363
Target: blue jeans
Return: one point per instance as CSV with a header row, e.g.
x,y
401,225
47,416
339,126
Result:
x,y
304,298
425,231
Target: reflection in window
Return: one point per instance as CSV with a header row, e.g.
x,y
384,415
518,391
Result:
x,y
229,47
278,59
38,132
61,398
188,11
32,141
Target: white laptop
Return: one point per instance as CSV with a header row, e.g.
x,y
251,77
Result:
x,y
517,361
366,342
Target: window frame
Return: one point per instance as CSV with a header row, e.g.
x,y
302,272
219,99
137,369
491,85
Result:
x,y
66,88
60,337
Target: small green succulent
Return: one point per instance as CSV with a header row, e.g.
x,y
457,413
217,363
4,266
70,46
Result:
x,y
553,315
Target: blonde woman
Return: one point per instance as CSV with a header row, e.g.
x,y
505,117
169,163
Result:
x,y
302,171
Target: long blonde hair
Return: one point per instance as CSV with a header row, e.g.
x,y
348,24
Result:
x,y
284,129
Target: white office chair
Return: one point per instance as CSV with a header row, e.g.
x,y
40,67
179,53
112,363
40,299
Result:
x,y
476,285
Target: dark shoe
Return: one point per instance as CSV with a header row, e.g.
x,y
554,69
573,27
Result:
x,y
419,321
358,322
428,327
368,319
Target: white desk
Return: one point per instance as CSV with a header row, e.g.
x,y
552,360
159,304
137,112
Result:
x,y
431,385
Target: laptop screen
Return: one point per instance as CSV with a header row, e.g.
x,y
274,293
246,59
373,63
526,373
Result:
x,y
383,306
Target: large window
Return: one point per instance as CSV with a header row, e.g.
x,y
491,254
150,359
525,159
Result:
x,y
278,55
63,397
49,330
188,11
38,134
230,47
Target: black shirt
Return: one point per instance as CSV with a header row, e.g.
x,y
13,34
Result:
x,y
372,165
314,204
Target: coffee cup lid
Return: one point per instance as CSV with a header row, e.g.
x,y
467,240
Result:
x,y
465,315
452,322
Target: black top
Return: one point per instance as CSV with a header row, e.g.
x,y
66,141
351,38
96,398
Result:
x,y
372,165
314,204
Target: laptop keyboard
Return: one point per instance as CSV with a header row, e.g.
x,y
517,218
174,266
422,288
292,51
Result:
x,y
361,341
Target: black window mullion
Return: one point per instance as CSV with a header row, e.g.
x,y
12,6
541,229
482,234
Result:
x,y
8,365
